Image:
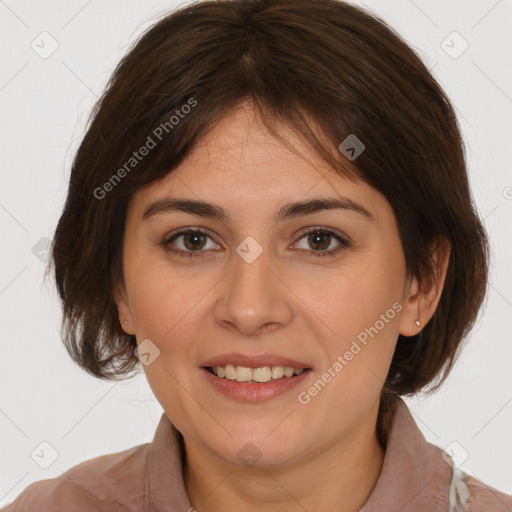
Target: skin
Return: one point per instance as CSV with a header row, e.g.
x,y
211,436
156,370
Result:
x,y
321,455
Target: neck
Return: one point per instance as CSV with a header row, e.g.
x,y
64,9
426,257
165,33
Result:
x,y
342,476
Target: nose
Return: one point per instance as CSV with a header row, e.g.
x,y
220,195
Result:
x,y
254,298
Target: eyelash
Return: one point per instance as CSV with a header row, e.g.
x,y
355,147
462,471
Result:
x,y
317,254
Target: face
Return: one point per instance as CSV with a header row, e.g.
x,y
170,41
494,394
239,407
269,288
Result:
x,y
323,290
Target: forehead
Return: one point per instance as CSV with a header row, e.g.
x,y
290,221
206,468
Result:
x,y
240,148
242,166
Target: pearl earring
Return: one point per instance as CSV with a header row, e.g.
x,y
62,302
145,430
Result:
x,y
418,323
126,322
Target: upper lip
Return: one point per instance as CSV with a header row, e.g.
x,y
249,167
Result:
x,y
255,361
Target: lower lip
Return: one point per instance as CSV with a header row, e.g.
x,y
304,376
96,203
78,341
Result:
x,y
254,392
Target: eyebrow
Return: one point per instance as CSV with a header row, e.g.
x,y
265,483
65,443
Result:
x,y
289,211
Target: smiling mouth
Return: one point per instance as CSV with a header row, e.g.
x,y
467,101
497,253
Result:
x,y
259,375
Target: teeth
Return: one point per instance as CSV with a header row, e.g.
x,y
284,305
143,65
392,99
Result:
x,y
277,372
243,374
229,371
288,371
261,374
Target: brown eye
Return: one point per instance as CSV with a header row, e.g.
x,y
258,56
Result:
x,y
319,240
188,243
194,241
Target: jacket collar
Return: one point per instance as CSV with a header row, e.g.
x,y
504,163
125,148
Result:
x,y
164,485
414,475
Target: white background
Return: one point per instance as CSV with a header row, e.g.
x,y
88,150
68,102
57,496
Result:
x,y
45,104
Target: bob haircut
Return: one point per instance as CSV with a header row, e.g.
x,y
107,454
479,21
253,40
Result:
x,y
325,68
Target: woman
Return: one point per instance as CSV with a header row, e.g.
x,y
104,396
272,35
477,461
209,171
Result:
x,y
270,214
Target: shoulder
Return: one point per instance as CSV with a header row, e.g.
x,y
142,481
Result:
x,y
468,494
115,481
420,476
480,496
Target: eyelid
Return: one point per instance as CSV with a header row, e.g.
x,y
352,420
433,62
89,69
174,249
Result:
x,y
333,231
344,241
185,231
301,232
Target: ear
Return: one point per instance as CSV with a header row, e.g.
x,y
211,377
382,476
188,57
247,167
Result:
x,y
123,309
422,298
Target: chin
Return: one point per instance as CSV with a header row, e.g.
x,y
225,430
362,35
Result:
x,y
246,448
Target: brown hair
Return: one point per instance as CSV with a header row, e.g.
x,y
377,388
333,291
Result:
x,y
326,68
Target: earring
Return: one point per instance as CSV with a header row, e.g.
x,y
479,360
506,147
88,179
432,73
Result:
x,y
418,323
126,322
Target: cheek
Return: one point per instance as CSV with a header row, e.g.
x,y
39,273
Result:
x,y
152,296
167,303
362,310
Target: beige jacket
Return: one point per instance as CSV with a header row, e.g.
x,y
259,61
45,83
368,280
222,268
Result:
x,y
415,477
